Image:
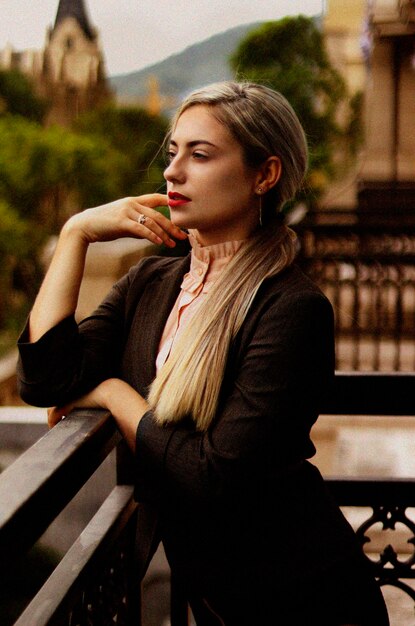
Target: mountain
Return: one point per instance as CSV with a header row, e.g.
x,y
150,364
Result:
x,y
200,64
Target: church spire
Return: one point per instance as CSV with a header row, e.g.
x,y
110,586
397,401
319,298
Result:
x,y
75,9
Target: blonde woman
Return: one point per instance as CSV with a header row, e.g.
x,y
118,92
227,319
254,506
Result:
x,y
214,367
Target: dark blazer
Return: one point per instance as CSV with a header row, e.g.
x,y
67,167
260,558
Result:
x,y
237,506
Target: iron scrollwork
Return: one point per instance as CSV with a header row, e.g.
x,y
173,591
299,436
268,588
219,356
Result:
x,y
389,568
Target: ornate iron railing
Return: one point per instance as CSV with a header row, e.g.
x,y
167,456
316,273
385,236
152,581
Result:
x,y
389,499
96,582
367,270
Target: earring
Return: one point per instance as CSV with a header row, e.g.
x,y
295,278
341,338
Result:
x,y
259,192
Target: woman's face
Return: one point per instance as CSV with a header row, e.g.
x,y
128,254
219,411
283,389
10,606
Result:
x,y
209,186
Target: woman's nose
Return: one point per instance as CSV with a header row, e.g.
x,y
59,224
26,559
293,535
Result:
x,y
174,172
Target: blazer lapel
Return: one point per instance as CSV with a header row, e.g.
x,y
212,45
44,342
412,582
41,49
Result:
x,y
153,309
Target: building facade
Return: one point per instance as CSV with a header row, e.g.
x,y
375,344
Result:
x,y
372,43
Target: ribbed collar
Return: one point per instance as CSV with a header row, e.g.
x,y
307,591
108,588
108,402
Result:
x,y
207,262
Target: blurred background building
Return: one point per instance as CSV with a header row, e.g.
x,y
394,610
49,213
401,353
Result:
x,y
372,43
69,72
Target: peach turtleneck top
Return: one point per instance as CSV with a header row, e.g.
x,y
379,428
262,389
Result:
x,y
206,265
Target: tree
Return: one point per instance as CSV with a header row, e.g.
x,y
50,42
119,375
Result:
x,y
13,245
138,136
289,56
45,176
18,98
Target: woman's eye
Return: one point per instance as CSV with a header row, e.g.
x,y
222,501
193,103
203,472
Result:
x,y
170,156
199,155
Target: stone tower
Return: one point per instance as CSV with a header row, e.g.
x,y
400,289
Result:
x,y
73,78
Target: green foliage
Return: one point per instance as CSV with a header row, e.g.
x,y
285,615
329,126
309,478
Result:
x,y
289,56
13,231
45,176
17,247
40,168
136,134
17,97
14,246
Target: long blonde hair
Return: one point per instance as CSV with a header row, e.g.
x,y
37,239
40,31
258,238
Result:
x,y
263,122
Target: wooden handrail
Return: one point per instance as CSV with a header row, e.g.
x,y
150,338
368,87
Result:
x,y
37,486
89,554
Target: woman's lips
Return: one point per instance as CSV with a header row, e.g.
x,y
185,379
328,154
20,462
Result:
x,y
177,199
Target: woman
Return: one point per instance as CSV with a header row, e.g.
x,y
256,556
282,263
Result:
x,y
214,367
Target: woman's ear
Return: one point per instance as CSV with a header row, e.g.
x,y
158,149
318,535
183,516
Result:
x,y
269,173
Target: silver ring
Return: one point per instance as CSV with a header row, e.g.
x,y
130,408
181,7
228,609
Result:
x,y
142,219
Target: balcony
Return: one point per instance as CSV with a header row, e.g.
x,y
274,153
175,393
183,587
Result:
x,y
364,261
96,580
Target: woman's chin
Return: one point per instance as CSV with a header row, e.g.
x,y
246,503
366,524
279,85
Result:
x,y
180,221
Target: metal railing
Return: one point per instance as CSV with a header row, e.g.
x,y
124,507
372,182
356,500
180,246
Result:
x,y
96,581
367,270
389,499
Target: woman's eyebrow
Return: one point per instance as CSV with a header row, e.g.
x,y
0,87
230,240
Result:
x,y
195,142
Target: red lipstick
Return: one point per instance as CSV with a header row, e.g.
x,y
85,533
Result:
x,y
177,199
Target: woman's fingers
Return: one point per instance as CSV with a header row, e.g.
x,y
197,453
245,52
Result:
x,y
94,399
55,414
152,200
152,225
152,222
128,217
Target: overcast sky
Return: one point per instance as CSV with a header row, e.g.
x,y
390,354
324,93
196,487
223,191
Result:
x,y
136,33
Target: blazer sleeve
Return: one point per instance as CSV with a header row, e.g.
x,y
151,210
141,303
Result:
x,y
271,397
69,360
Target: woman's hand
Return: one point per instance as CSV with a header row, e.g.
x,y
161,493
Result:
x,y
126,405
128,217
92,400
